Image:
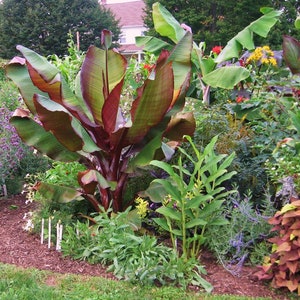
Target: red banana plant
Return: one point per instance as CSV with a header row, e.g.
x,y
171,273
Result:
x,y
88,126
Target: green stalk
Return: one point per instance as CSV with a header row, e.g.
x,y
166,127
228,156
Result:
x,y
183,232
201,235
171,234
194,243
183,217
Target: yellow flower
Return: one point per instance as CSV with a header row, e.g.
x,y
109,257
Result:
x,y
167,200
263,55
273,61
142,207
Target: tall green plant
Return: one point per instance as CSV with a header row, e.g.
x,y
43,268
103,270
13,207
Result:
x,y
88,126
191,196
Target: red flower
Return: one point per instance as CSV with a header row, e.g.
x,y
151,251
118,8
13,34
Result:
x,y
217,49
240,99
242,62
148,67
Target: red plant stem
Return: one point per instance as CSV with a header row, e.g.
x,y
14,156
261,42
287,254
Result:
x,y
93,201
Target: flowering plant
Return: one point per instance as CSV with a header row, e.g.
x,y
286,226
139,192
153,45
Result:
x,y
262,56
11,145
216,50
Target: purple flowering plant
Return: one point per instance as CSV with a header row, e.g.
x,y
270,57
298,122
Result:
x,y
12,149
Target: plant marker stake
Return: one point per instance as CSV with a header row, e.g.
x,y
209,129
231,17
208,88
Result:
x,y
49,233
60,235
57,235
59,228
4,190
42,231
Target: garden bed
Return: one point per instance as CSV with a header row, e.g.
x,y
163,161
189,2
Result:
x,y
20,248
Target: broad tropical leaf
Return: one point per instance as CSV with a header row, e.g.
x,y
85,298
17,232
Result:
x,y
165,24
58,193
226,77
35,135
244,39
291,53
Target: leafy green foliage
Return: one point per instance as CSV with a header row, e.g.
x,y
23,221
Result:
x,y
60,174
70,64
64,174
208,71
191,196
282,266
44,26
2,71
284,163
216,22
113,242
9,95
136,74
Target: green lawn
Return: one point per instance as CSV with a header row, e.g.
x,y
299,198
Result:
x,y
22,284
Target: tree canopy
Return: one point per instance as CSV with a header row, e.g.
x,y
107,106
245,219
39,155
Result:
x,y
43,26
217,21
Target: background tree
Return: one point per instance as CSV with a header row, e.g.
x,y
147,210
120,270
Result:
x,y
216,22
286,24
44,25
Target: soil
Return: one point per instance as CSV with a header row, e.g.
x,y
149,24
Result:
x,y
22,249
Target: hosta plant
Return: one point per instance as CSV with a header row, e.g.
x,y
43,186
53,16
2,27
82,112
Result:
x,y
89,126
283,265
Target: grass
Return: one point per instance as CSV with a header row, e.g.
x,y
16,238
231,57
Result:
x,y
30,284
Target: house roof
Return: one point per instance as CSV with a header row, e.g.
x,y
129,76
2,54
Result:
x,y
128,13
129,48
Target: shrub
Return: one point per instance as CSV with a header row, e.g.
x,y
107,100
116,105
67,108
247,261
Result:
x,y
9,95
66,212
283,265
16,158
235,135
242,240
2,72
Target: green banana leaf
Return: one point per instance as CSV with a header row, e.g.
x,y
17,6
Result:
x,y
165,24
244,39
226,77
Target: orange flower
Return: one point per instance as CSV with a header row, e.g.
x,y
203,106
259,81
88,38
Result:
x,y
148,67
217,49
240,99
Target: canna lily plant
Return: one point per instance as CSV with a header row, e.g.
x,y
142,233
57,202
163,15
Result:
x,y
88,126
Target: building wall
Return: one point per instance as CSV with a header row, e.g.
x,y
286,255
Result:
x,y
129,34
129,13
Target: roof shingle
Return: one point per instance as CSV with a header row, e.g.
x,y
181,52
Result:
x,y
129,13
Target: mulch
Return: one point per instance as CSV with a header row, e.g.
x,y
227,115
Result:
x,y
20,248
